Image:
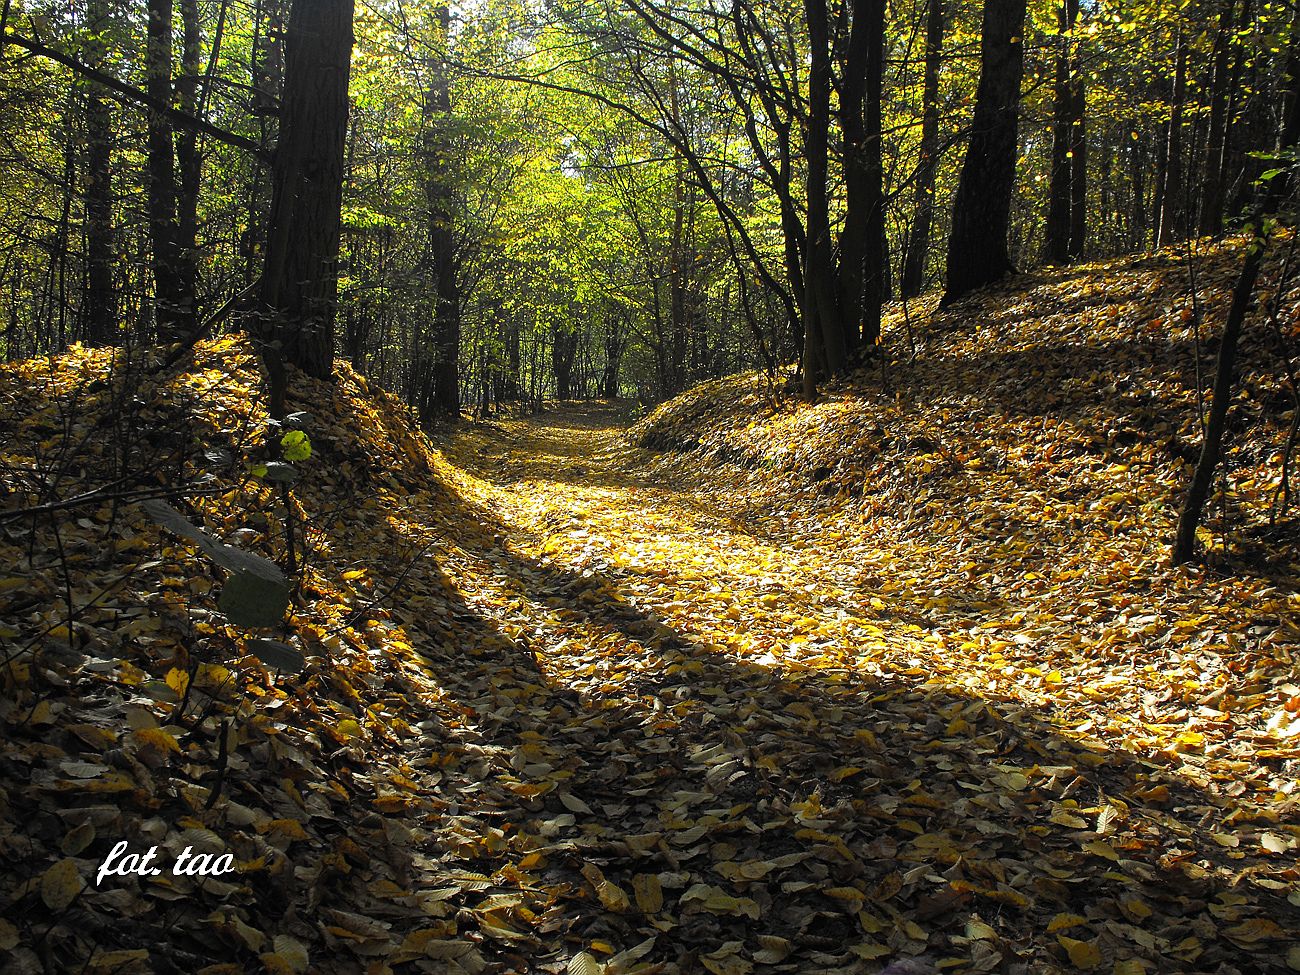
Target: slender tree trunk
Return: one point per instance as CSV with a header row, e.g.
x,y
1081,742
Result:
x,y
977,246
173,314
864,270
299,284
189,163
442,239
825,348
1137,160
1243,293
99,306
918,245
1078,157
1212,190
1056,246
1172,225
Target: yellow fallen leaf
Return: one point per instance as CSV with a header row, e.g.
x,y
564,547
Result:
x,y
1256,929
1104,850
1135,909
1274,843
1063,922
774,951
584,963
157,739
1083,954
1064,818
611,895
649,893
61,884
289,829
120,962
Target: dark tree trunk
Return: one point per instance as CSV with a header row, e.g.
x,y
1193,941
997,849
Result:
x,y
918,245
1172,225
1137,158
864,271
173,312
1243,292
299,285
1078,161
189,164
99,307
977,246
614,342
1212,190
1056,246
825,347
266,75
443,264
564,348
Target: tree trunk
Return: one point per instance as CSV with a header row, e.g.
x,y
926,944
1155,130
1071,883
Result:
x,y
1078,160
99,306
918,246
1243,293
613,358
173,313
189,163
1137,158
564,347
864,270
442,240
299,285
1212,191
977,246
1172,225
1056,246
825,348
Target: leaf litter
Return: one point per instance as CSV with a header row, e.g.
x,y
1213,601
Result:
x,y
893,682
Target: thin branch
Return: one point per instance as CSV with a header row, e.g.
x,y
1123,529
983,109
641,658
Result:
x,y
133,94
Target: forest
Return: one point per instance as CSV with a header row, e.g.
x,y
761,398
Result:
x,y
649,487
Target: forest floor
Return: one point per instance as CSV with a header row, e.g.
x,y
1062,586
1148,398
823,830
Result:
x,y
896,681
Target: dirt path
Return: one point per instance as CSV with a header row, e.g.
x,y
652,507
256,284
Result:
x,y
716,749
576,495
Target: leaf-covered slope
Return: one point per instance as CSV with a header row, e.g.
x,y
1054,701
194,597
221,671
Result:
x,y
1013,490
147,719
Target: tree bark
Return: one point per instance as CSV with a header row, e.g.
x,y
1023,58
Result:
x,y
173,309
1172,225
443,264
1056,247
99,306
977,246
1078,161
189,163
864,270
918,246
1212,190
299,285
1243,293
825,348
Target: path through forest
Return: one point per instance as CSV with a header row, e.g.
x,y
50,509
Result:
x,y
735,755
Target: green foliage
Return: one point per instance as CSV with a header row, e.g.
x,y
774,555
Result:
x,y
295,446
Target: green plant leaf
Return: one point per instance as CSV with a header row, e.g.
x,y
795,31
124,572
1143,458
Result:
x,y
295,445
